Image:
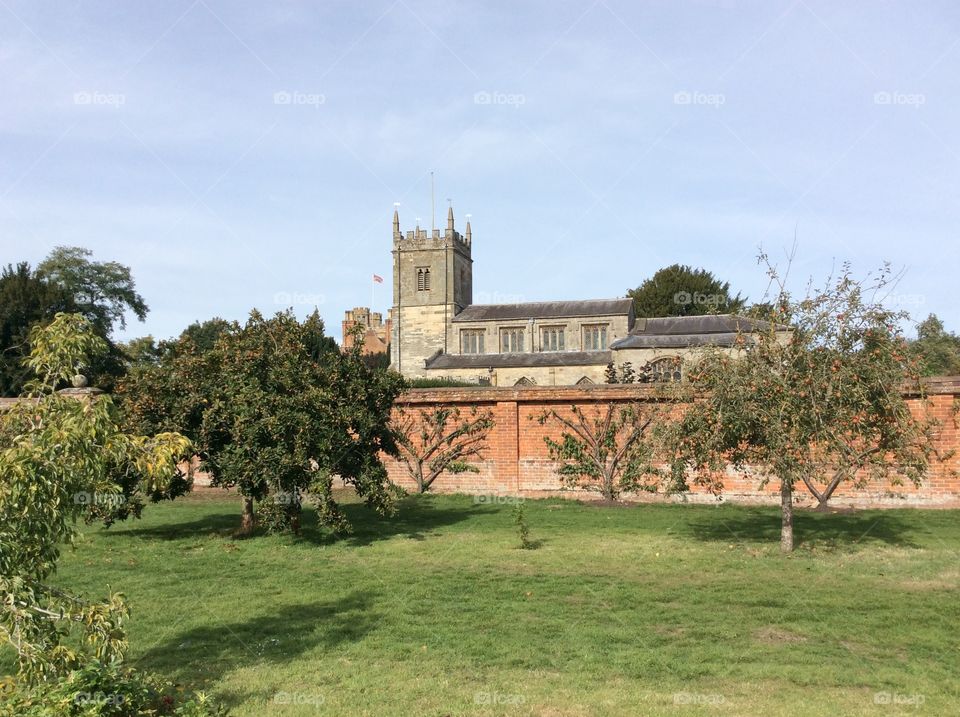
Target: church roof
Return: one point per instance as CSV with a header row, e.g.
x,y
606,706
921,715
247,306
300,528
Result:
x,y
683,331
540,358
545,310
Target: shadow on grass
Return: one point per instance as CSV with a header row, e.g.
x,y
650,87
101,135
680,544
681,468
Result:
x,y
280,635
219,524
809,528
417,517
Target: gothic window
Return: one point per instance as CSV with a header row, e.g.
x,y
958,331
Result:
x,y
585,381
551,339
664,370
524,381
511,341
423,278
471,341
595,338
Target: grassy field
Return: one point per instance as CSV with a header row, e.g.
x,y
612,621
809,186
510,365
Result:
x,y
647,610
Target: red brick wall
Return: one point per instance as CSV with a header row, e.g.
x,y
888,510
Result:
x,y
516,462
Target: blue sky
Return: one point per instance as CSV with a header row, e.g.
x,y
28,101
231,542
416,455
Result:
x,y
248,154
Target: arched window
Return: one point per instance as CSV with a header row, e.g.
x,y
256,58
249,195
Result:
x,y
585,381
664,370
524,381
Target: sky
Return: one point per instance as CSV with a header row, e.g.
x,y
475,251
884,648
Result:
x,y
249,154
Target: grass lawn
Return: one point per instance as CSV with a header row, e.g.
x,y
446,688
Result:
x,y
646,610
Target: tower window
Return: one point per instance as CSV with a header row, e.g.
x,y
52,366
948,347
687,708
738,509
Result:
x,y
471,341
595,338
511,341
552,339
423,278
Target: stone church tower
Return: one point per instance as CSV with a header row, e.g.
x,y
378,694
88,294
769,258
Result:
x,y
432,283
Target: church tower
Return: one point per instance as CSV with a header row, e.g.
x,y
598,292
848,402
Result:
x,y
432,283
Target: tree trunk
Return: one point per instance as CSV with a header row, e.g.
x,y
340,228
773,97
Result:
x,y
248,521
786,517
295,521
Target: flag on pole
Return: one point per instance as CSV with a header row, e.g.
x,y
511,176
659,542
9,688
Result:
x,y
378,279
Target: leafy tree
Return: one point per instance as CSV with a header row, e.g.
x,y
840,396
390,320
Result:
x,y
431,442
57,455
102,291
683,291
204,334
818,406
26,300
611,449
938,350
140,350
275,412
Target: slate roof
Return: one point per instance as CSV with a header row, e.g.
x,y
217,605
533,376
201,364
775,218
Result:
x,y
683,331
545,310
522,360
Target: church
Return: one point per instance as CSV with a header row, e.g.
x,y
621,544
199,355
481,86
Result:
x,y
436,331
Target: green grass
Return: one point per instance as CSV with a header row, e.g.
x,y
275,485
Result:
x,y
619,611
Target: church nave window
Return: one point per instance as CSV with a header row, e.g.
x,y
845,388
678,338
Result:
x,y
471,341
595,338
511,341
552,339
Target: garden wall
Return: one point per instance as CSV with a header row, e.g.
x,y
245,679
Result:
x,y
516,463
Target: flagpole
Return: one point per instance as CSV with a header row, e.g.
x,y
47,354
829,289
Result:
x,y
373,287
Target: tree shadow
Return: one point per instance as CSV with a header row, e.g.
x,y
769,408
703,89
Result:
x,y
217,524
417,518
281,635
812,528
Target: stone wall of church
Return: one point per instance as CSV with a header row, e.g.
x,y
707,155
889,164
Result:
x,y
516,462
